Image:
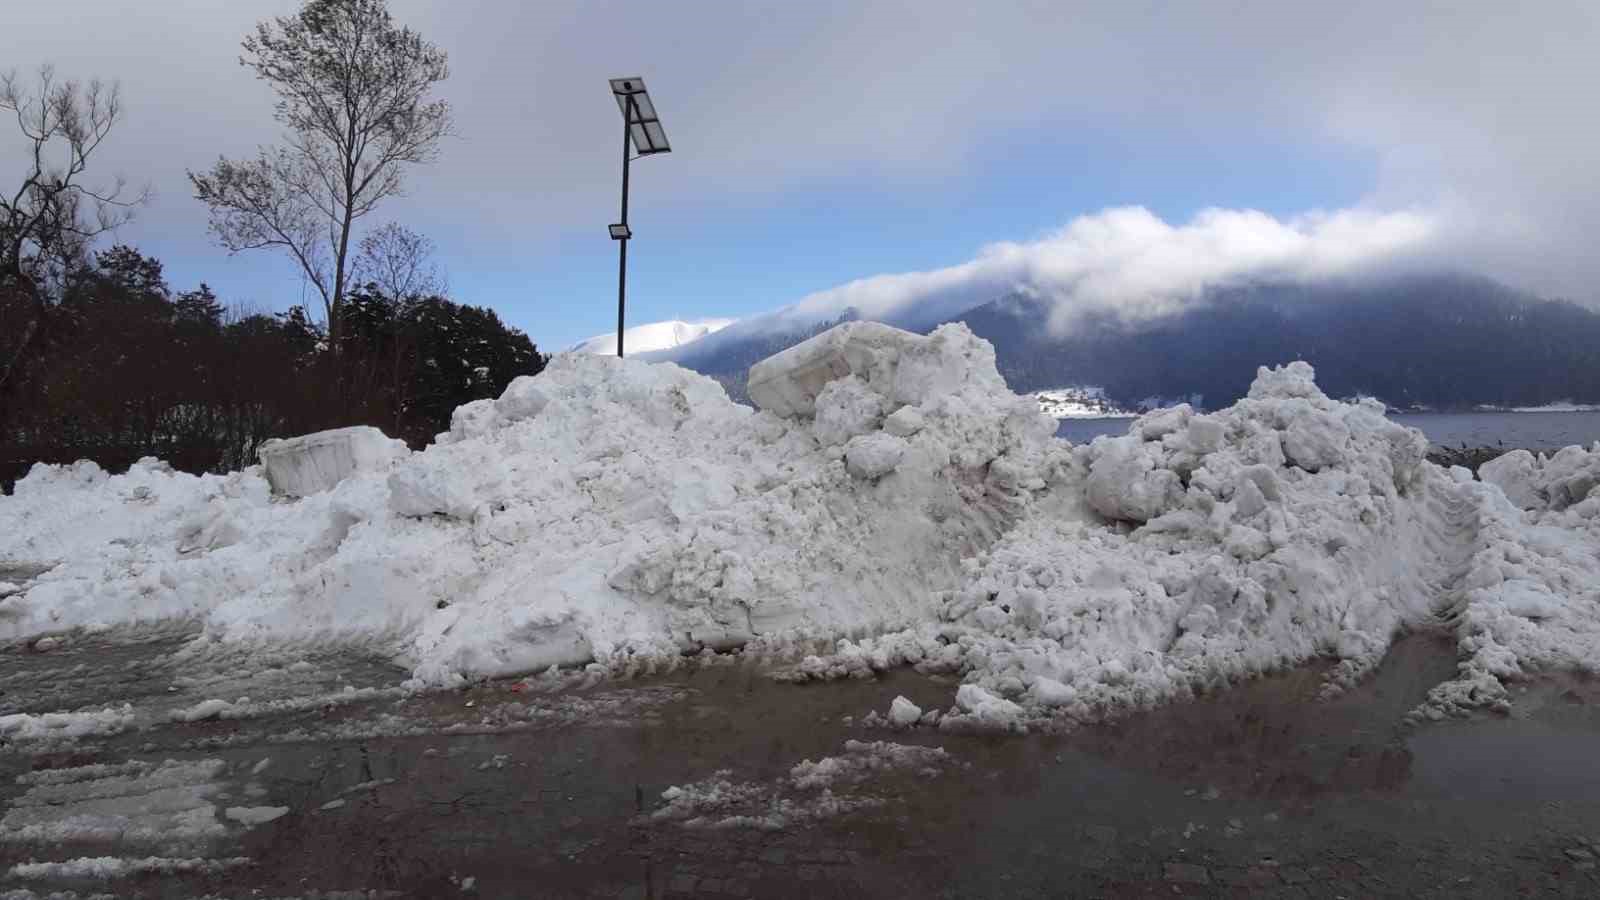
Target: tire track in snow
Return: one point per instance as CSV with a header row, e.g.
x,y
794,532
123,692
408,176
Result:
x,y
1455,543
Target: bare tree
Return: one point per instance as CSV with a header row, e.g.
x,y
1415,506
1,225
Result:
x,y
353,91
51,217
400,262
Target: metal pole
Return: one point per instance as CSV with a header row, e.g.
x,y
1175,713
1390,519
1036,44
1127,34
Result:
x,y
622,254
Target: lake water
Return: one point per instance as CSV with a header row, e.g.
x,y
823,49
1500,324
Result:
x,y
1533,430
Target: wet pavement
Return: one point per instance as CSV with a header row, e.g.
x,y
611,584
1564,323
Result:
x,y
331,779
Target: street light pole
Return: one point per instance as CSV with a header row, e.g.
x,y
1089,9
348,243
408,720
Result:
x,y
641,131
622,243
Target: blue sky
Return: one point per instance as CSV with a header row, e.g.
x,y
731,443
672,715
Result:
x,y
738,260
815,144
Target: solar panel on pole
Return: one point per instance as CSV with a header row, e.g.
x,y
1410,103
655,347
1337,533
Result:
x,y
641,128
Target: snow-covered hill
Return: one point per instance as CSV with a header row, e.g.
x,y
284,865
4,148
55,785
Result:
x,y
1079,402
653,336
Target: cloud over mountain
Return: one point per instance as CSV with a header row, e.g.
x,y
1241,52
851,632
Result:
x,y
1129,263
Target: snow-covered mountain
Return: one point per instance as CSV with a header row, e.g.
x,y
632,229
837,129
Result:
x,y
1079,402
653,336
1439,340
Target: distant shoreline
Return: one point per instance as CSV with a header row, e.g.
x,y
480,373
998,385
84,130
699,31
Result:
x,y
1486,409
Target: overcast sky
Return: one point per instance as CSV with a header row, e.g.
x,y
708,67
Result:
x,y
818,144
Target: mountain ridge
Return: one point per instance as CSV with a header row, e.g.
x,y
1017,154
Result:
x,y
1442,341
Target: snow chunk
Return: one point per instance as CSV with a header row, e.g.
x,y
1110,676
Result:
x,y
470,420
1516,474
903,713
874,455
1204,434
1049,692
205,709
983,711
1314,442
313,463
1162,422
904,422
1296,380
251,816
846,408
1125,483
522,399
1571,476
426,491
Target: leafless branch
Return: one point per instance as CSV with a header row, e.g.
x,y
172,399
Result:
x,y
353,92
48,221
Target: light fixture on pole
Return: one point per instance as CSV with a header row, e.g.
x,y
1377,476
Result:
x,y
641,131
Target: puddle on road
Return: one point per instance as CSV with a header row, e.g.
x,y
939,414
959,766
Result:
x,y
1255,778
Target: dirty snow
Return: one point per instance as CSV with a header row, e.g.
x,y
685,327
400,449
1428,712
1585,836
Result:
x,y
107,867
57,726
892,497
168,804
807,794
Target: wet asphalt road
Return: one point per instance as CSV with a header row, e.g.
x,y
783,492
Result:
x,y
516,790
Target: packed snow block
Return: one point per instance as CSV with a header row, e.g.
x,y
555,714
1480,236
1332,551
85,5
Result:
x,y
788,383
313,463
901,367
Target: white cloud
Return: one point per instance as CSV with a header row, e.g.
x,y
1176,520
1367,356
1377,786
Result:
x,y
1478,110
1129,263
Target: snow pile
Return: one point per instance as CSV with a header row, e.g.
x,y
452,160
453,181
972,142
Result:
x,y
1546,483
1530,598
806,795
1203,549
891,489
608,509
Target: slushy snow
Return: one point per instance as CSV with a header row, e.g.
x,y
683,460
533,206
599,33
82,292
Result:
x,y
891,497
65,726
808,793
